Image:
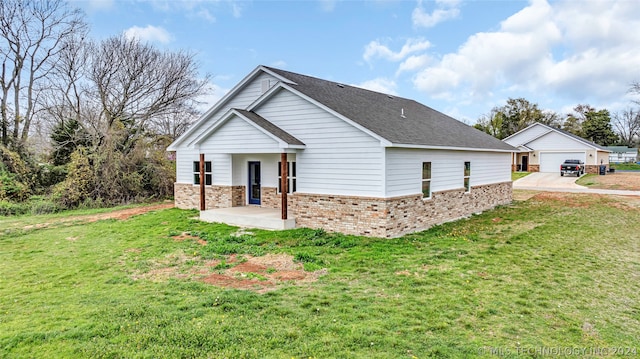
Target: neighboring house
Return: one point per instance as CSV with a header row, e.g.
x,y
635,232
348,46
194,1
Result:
x,y
358,162
622,154
543,148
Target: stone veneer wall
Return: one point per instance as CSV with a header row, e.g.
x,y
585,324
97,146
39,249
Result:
x,y
345,214
393,217
594,169
187,196
412,213
379,217
270,198
534,168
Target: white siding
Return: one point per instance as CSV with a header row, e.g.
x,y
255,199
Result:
x,y
526,136
404,169
238,136
241,100
221,166
551,161
555,141
338,159
268,168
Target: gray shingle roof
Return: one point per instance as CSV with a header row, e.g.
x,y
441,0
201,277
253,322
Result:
x,y
269,127
382,114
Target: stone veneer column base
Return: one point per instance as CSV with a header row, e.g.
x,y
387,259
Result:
x,y
187,196
394,217
534,168
594,169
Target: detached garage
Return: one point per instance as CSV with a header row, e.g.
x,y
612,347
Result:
x,y
543,148
551,161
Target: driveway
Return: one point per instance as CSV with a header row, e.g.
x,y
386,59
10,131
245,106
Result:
x,y
553,182
548,180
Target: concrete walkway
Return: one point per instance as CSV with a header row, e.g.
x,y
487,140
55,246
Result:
x,y
553,182
249,216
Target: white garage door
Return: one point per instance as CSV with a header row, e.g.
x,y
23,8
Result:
x,y
551,161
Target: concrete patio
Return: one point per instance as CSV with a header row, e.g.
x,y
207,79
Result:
x,y
249,216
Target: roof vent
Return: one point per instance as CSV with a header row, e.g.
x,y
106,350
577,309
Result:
x,y
402,113
341,86
389,96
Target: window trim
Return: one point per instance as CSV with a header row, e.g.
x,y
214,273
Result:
x,y
208,175
426,180
291,177
466,177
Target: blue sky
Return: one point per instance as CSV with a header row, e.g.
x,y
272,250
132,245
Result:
x,y
459,57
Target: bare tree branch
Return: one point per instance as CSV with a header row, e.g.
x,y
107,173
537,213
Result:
x,y
31,33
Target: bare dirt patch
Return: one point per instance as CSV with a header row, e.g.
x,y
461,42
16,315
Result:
x,y
523,194
581,200
629,181
260,274
121,214
186,236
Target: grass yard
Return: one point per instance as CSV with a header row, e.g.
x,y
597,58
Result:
x,y
619,180
518,175
556,270
625,166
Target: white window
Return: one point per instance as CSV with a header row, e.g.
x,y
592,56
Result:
x,y
467,177
207,172
426,179
291,176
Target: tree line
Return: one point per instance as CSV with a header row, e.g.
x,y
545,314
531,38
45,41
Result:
x,y
84,121
596,125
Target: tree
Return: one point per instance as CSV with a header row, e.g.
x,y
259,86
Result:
x,y
31,33
66,137
597,128
627,126
121,99
574,121
137,84
516,115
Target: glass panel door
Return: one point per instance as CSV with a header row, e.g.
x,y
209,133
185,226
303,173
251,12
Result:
x,y
254,182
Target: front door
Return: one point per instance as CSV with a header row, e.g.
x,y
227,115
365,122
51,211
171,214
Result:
x,y
525,163
254,182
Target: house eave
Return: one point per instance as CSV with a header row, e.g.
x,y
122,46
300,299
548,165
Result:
x,y
450,148
218,105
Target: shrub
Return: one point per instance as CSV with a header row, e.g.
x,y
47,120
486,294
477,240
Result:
x,y
80,181
12,209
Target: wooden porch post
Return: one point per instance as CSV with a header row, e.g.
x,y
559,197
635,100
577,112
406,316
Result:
x,y
284,181
202,181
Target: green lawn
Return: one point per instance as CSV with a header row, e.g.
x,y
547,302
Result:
x,y
518,175
553,271
625,166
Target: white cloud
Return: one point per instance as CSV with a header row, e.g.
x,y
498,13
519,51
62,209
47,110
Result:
x,y
445,10
375,49
380,85
97,5
206,15
149,33
413,63
328,5
203,9
584,51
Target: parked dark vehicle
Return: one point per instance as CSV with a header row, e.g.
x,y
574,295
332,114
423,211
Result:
x,y
572,167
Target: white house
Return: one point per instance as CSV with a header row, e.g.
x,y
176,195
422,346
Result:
x,y
622,154
357,161
543,148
